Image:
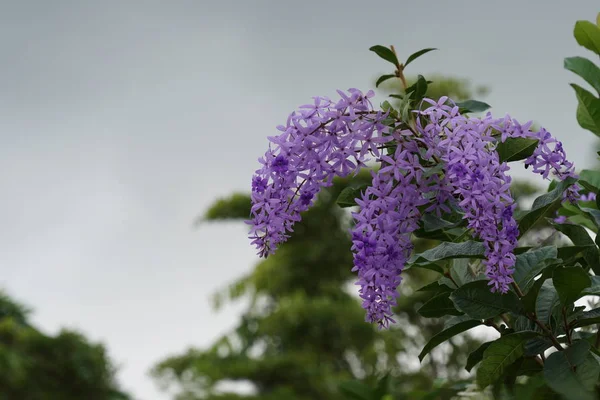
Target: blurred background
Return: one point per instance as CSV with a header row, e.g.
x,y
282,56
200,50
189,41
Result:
x,y
123,121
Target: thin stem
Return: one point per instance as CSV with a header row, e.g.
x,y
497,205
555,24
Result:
x,y
567,329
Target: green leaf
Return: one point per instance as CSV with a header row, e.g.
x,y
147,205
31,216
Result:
x,y
571,253
573,372
473,106
462,272
587,318
594,289
587,35
455,326
418,89
529,301
515,149
430,266
383,78
530,264
347,196
416,55
435,286
580,237
357,390
438,306
569,283
446,250
543,205
476,356
476,300
585,69
546,302
499,355
386,54
591,177
588,110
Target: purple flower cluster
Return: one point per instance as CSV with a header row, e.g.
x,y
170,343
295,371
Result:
x,y
381,237
319,141
447,160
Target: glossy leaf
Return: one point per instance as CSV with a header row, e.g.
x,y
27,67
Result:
x,y
385,53
446,250
587,318
384,78
587,35
438,306
585,69
588,110
570,283
476,356
416,55
530,264
456,325
546,302
573,372
580,237
476,300
515,149
501,354
543,205
473,106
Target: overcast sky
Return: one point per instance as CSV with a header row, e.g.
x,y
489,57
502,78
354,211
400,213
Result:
x,y
120,121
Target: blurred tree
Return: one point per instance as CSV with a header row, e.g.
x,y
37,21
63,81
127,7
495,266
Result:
x,y
35,366
304,331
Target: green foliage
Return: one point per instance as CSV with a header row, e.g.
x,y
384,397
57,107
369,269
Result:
x,y
587,35
37,366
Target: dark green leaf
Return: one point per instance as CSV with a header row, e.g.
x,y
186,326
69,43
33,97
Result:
x,y
570,253
416,55
386,54
473,106
569,283
435,287
529,301
515,149
418,89
357,390
543,205
588,110
587,35
560,375
587,318
547,301
536,346
476,300
585,69
580,237
499,355
429,266
456,325
438,306
347,196
383,78
476,356
462,272
445,251
434,223
594,289
530,264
